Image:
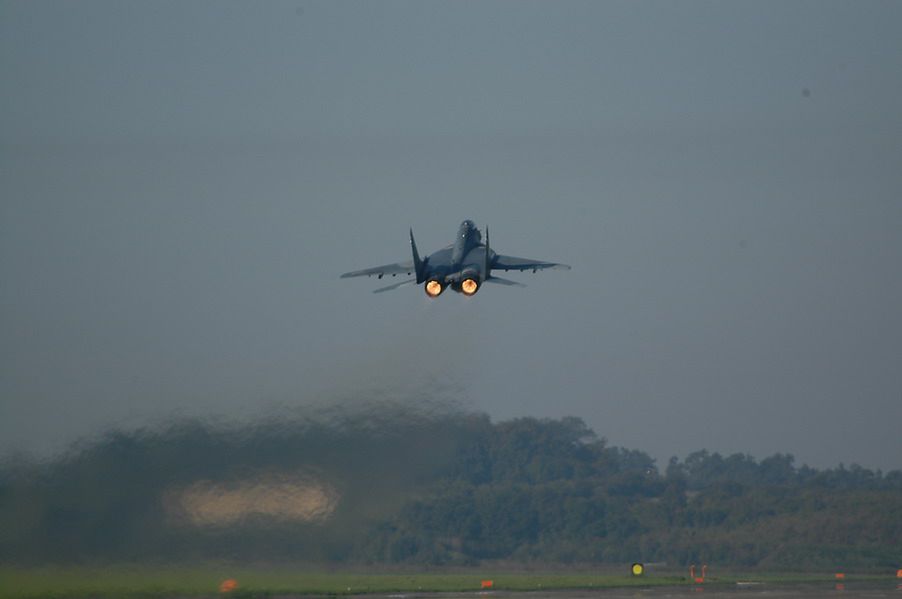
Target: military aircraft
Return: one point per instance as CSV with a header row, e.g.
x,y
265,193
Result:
x,y
463,266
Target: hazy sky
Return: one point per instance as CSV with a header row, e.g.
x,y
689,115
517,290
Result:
x,y
181,183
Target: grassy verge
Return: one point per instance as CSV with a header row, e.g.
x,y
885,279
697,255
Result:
x,y
145,581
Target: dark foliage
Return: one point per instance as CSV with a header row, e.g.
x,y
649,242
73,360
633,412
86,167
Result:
x,y
443,487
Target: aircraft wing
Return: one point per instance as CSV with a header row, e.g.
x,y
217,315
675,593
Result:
x,y
502,262
395,286
399,268
500,281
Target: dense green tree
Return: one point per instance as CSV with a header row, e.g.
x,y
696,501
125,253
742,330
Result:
x,y
444,487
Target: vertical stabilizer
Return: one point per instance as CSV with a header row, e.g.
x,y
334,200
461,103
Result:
x,y
488,255
417,263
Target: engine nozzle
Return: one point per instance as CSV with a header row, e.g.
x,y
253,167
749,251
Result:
x,y
433,288
469,286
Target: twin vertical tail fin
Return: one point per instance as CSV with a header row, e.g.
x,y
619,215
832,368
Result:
x,y
417,263
488,255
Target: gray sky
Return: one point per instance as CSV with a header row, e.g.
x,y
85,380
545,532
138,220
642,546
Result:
x,y
182,183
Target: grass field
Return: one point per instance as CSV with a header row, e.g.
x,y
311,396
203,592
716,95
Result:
x,y
145,581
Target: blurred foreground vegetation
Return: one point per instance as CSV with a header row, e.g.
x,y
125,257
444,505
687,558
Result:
x,y
421,487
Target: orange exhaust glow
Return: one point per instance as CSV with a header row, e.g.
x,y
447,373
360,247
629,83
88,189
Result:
x,y
433,288
469,286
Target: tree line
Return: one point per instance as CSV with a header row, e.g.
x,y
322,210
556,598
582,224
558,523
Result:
x,y
417,486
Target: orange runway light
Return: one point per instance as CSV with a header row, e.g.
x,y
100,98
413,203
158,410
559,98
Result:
x,y
487,584
698,579
228,585
840,576
899,573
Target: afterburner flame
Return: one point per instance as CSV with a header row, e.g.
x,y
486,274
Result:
x,y
433,288
469,286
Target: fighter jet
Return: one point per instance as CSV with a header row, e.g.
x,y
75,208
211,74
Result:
x,y
463,266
